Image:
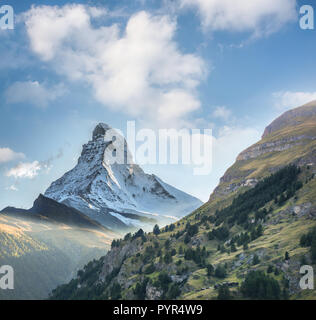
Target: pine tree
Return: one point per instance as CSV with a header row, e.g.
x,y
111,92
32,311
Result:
x,y
156,230
255,260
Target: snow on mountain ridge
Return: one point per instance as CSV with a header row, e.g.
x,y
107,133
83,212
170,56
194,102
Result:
x,y
98,188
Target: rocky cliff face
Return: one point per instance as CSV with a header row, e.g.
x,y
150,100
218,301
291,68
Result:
x,y
119,196
291,138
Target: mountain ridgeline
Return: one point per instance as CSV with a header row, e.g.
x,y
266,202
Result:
x,y
256,231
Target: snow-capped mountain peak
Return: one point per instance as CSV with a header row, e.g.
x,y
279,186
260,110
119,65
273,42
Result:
x,y
120,196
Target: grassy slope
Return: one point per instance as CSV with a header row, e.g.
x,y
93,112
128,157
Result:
x,y
282,232
277,239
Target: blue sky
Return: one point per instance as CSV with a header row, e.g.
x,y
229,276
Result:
x,y
66,66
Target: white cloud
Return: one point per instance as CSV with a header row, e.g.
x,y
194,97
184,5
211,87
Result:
x,y
12,188
255,16
222,112
7,155
138,70
285,100
34,93
25,170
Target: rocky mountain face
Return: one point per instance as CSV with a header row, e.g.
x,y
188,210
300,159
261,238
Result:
x,y
291,138
119,196
257,229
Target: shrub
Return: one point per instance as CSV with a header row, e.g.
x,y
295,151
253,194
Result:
x,y
150,269
220,272
255,260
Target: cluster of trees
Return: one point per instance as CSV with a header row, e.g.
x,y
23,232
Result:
x,y
256,232
309,240
218,272
221,233
198,256
242,239
289,193
139,234
171,290
116,243
258,285
283,183
149,254
74,290
190,231
168,228
262,214
140,289
90,272
224,293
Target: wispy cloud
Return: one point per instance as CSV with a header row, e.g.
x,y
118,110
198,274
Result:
x,y
12,188
34,93
222,112
7,155
260,17
285,100
28,170
139,70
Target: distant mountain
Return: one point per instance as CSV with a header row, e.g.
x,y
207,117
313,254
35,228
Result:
x,y
256,231
119,196
46,209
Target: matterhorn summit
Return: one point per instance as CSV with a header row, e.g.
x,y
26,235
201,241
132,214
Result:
x,y
119,196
